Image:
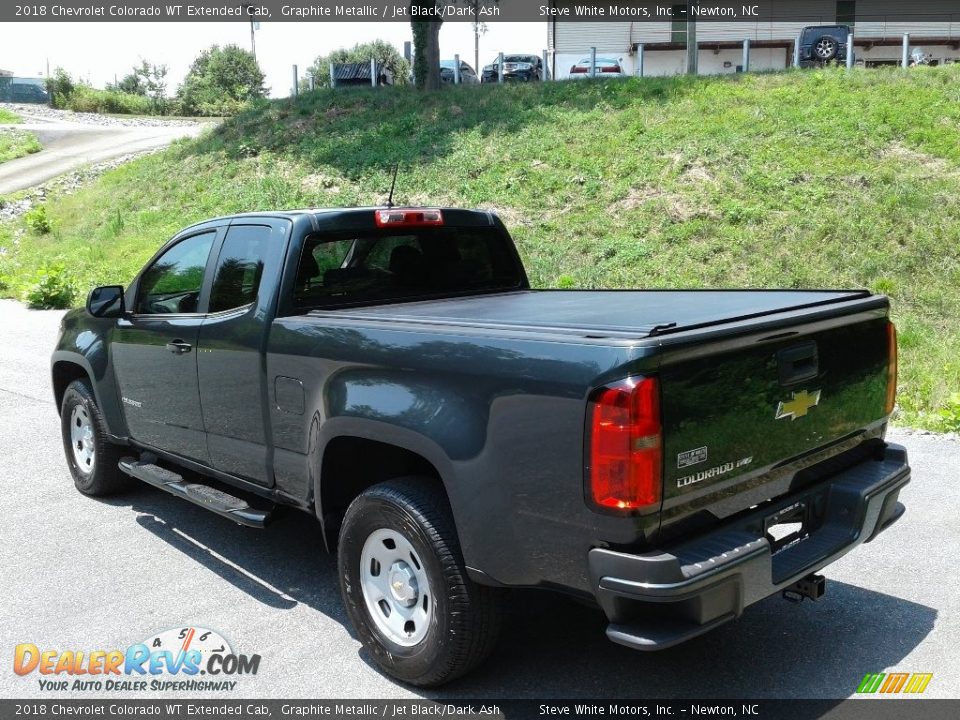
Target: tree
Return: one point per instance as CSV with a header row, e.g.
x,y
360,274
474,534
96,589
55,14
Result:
x,y
146,80
60,86
220,81
384,53
130,84
426,38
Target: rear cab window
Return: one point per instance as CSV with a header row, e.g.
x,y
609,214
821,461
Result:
x,y
403,264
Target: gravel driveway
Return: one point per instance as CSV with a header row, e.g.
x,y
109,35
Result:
x,y
79,573
72,140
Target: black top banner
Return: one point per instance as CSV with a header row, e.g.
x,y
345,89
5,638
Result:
x,y
763,11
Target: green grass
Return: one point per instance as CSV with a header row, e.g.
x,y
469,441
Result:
x,y
9,117
798,179
17,143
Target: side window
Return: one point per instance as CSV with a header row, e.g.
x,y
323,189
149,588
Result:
x,y
172,284
237,275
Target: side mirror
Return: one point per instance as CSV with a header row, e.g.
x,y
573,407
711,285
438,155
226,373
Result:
x,y
106,301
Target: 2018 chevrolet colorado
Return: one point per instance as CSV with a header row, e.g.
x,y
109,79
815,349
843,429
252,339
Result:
x,y
673,456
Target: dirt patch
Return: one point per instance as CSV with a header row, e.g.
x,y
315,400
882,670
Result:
x,y
637,197
697,174
318,182
901,153
677,207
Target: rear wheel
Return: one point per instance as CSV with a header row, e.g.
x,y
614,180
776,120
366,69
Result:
x,y
91,457
405,586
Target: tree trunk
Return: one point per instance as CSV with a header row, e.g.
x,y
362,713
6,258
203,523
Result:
x,y
426,44
431,56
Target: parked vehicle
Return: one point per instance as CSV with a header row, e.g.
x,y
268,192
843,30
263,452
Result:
x,y
671,456
468,75
516,68
605,67
823,44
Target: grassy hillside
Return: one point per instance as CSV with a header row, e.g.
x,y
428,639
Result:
x,y
802,179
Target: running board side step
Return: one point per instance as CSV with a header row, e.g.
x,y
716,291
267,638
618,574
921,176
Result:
x,y
209,498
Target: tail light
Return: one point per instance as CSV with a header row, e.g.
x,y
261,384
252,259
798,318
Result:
x,y
624,445
891,368
406,217
578,70
610,68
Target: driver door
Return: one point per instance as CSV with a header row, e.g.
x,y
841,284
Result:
x,y
154,349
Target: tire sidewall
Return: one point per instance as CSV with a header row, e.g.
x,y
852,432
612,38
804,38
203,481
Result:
x,y
71,399
368,514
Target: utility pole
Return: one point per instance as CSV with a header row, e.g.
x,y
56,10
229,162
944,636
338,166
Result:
x,y
693,52
254,26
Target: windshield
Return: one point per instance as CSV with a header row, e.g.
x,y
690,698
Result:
x,y
404,264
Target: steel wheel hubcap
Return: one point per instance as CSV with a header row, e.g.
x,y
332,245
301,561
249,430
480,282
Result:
x,y
82,439
395,587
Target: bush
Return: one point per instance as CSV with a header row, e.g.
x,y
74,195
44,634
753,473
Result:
x,y
220,82
90,100
37,220
51,288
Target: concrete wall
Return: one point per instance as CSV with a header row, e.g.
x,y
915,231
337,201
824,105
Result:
x,y
659,63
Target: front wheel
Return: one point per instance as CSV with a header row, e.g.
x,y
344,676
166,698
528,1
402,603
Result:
x,y
91,457
405,587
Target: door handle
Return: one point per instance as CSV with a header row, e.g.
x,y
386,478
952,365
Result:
x,y
179,347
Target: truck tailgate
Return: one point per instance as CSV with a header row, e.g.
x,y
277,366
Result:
x,y
742,417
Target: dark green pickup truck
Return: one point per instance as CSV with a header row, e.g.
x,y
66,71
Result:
x,y
672,456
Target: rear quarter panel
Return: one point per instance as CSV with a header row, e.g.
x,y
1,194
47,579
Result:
x,y
501,418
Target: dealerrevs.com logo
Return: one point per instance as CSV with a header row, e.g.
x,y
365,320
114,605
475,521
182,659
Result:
x,y
191,659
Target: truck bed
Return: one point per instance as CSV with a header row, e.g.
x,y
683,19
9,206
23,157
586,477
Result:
x,y
599,313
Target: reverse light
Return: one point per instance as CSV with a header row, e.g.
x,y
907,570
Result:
x,y
406,217
625,445
891,369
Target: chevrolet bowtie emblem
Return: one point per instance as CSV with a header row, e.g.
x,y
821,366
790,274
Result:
x,y
799,405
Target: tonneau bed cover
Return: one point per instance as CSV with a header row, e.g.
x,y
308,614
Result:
x,y
610,313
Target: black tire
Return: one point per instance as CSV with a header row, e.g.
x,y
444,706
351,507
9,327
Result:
x,y
98,476
466,617
825,48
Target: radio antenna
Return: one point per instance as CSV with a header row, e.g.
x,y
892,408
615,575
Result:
x,y
396,169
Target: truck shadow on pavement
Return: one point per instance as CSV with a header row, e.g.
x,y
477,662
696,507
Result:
x,y
553,647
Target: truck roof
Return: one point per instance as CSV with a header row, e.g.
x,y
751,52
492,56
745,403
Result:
x,y
354,216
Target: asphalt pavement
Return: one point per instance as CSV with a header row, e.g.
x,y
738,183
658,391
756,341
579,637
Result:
x,y
83,574
69,144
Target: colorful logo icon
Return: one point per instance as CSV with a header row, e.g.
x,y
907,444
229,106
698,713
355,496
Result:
x,y
891,683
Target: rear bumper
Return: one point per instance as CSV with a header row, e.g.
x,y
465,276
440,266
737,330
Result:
x,y
659,599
